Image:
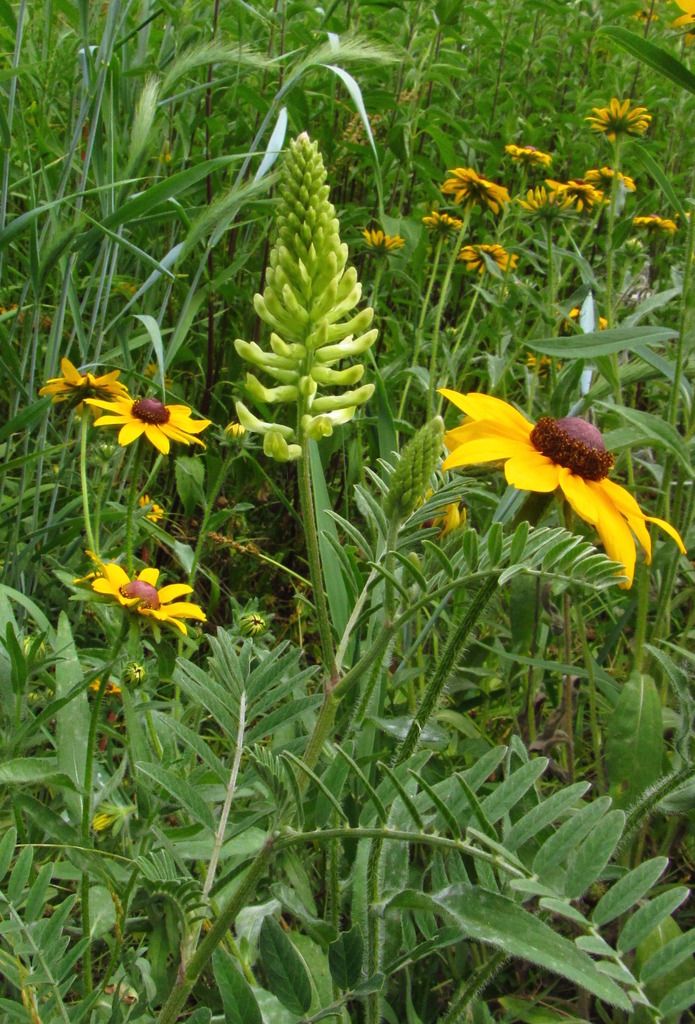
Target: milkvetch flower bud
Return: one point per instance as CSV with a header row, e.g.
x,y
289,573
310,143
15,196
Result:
x,y
411,476
309,296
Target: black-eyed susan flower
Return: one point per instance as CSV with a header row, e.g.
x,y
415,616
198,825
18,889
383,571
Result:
x,y
603,177
687,22
75,387
657,225
142,596
569,454
235,430
619,118
474,256
582,193
546,205
528,156
442,223
158,422
378,241
569,326
470,189
155,513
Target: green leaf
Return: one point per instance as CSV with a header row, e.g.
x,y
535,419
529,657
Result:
x,y
541,816
589,859
681,998
186,796
7,844
646,919
190,479
239,1002
153,329
669,956
285,971
335,585
648,53
555,850
628,890
653,429
33,771
72,718
507,794
642,156
601,343
494,919
345,958
634,740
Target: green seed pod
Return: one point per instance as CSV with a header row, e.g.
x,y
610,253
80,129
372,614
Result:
x,y
411,476
309,292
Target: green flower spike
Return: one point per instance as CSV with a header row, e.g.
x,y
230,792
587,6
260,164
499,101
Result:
x,y
309,296
416,465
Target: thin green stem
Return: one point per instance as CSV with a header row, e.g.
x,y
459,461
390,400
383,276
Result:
x,y
685,312
130,512
176,999
306,504
440,312
84,429
470,988
419,330
454,648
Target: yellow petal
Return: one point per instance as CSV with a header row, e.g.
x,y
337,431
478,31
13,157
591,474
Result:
x,y
485,407
172,591
578,495
490,449
621,498
149,575
155,436
670,530
532,472
129,432
115,574
109,421
687,5
181,610
69,371
615,534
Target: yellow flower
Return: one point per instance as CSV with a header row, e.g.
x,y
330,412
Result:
x,y
469,188
580,192
569,325
76,386
158,422
544,204
604,176
529,156
442,223
474,257
235,429
110,690
380,242
156,512
619,118
450,518
686,21
111,816
567,453
652,222
142,596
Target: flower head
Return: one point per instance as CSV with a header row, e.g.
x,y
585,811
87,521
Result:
x,y
155,512
474,256
528,156
687,21
378,241
582,193
76,387
570,325
568,453
235,430
619,118
655,224
442,223
546,205
158,422
603,176
142,596
469,188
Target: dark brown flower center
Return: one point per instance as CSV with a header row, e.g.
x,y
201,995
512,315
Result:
x,y
145,592
150,410
575,444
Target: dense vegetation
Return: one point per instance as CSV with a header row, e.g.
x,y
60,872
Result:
x,y
306,711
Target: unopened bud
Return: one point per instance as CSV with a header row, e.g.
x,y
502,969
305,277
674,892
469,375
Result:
x,y
411,476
